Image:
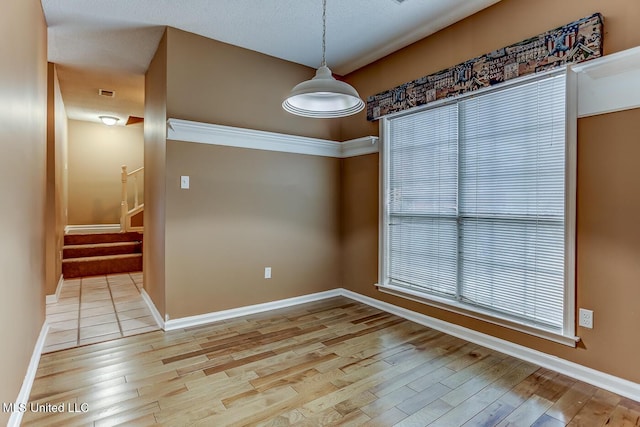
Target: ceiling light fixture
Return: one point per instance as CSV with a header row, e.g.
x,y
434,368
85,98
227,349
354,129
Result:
x,y
323,96
109,120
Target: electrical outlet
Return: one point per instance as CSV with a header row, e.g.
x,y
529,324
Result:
x,y
267,272
585,318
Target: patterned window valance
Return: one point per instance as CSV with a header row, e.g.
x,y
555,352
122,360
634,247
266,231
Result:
x,y
575,42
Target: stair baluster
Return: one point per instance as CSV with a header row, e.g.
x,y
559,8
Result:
x,y
125,213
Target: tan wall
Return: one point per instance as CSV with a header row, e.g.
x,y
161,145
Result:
x,y
359,223
96,154
56,182
247,210
23,143
155,132
607,239
214,82
222,232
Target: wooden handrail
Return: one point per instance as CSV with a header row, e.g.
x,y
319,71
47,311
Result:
x,y
125,212
135,171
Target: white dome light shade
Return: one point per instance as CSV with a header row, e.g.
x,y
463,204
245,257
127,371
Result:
x,y
323,97
109,120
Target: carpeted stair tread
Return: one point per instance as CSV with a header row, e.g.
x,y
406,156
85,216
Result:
x,y
81,239
101,249
100,245
101,253
101,258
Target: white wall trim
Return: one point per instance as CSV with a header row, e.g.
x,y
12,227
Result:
x,y
23,397
479,314
609,83
206,133
92,228
52,299
359,147
186,322
153,309
597,378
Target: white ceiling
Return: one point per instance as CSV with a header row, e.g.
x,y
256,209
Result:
x,y
110,42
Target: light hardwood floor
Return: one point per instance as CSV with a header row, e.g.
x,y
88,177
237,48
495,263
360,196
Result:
x,y
333,362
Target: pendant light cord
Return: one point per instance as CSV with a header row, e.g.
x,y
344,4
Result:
x,y
323,96
324,32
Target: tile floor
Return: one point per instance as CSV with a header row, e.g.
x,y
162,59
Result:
x,y
95,309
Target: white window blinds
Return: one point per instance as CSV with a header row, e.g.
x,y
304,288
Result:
x,y
476,202
423,200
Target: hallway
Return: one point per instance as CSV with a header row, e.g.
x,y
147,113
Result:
x,y
95,309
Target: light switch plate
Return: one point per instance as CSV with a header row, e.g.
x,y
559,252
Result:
x,y
184,182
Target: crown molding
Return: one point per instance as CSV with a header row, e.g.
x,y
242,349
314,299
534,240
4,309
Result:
x,y
359,147
609,83
206,133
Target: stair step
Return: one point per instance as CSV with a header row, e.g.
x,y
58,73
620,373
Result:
x,y
101,258
82,239
101,253
101,265
101,249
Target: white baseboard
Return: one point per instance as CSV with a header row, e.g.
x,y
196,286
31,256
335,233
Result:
x,y
153,309
92,228
187,322
23,397
597,378
52,299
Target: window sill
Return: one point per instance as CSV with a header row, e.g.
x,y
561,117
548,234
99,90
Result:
x,y
485,316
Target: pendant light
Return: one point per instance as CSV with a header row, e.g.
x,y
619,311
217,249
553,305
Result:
x,y
323,96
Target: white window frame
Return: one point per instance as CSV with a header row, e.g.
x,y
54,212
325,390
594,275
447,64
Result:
x,y
567,335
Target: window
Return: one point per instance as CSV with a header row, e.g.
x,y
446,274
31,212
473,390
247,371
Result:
x,y
478,207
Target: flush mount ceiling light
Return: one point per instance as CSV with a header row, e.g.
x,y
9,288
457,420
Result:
x,y
109,120
323,96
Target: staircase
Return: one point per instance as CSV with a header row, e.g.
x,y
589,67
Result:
x,y
99,254
126,214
